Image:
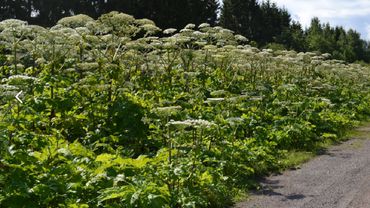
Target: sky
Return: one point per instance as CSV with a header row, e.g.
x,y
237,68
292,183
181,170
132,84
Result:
x,y
353,14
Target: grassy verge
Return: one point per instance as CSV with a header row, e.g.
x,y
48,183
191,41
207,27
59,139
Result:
x,y
294,159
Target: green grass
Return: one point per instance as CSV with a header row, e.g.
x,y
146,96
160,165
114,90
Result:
x,y
294,159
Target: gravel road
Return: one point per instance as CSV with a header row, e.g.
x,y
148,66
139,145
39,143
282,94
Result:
x,y
339,178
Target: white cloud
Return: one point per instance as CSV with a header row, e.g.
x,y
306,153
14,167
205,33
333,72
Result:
x,y
368,31
347,13
328,9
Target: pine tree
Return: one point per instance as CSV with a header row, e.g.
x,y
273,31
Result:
x,y
18,9
50,11
314,35
297,37
264,23
203,11
356,46
243,17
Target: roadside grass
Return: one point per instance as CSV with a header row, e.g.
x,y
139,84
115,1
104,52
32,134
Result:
x,y
293,159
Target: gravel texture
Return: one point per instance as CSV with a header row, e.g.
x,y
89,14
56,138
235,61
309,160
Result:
x,y
339,178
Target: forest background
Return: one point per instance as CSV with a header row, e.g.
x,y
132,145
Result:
x,y
264,23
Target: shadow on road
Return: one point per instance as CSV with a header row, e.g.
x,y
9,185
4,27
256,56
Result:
x,y
268,189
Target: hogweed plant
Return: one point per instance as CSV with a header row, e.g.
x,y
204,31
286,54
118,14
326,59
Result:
x,y
118,113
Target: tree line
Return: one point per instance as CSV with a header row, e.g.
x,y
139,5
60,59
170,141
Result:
x,y
271,26
264,23
166,13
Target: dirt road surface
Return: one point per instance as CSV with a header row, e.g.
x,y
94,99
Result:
x,y
339,178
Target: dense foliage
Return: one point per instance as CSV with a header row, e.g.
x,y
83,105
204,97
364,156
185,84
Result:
x,y
113,116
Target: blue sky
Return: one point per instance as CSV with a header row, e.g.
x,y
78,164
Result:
x,y
353,14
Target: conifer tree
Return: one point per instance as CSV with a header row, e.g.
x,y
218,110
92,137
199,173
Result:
x,y
275,23
242,16
18,9
297,37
